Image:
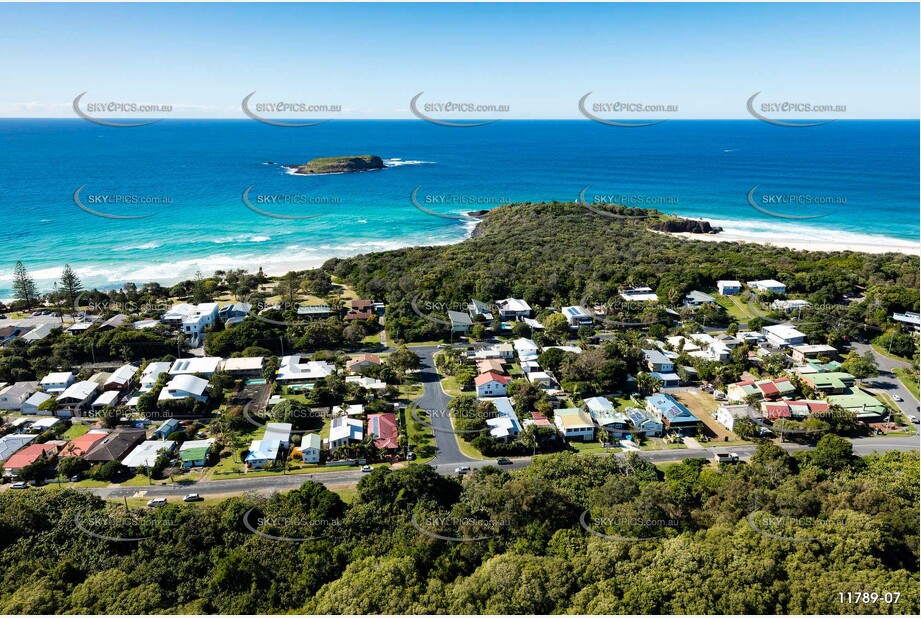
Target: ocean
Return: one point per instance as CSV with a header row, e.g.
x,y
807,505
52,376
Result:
x,y
186,178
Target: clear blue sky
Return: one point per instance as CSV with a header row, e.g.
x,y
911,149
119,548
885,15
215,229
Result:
x,y
537,58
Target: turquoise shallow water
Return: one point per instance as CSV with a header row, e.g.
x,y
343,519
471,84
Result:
x,y
196,171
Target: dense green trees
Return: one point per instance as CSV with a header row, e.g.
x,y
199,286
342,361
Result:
x,y
839,523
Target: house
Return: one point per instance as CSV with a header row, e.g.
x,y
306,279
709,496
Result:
x,y
197,320
76,398
832,383
658,362
668,380
40,332
234,313
145,324
682,344
366,382
505,426
491,364
802,353
11,443
360,309
204,365
362,361
541,378
674,416
146,453
81,445
912,320
151,373
295,370
115,445
117,320
789,306
167,427
244,366
263,453
460,321
384,429
80,327
606,416
11,333
491,384
728,287
727,414
42,425
314,312
479,308
13,396
864,405
106,400
534,324
768,285
783,336
177,314
344,430
30,454
763,389
511,309
538,419
120,379
194,453
749,336
57,382
183,386
311,446
639,294
526,348
574,424
578,316
773,410
696,298
644,423
280,432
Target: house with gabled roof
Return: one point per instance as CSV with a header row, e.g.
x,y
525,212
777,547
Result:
x,y
491,384
384,429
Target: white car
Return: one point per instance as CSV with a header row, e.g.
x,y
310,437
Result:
x,y
462,469
897,398
913,418
156,502
19,485
366,469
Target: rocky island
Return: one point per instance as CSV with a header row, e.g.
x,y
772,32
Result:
x,y
339,165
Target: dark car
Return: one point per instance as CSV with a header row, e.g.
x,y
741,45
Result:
x,y
504,461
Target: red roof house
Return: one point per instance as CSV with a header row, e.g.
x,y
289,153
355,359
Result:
x,y
384,429
31,453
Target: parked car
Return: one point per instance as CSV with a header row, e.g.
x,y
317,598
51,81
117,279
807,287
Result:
x,y
2,316
156,502
410,456
726,458
76,478
366,468
913,418
462,469
192,498
897,398
504,461
20,485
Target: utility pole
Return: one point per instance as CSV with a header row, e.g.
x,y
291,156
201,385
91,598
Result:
x,y
281,340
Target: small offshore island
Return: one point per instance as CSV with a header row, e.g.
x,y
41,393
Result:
x,y
339,165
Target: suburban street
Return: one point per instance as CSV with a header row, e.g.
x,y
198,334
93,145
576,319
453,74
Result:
x,y
887,382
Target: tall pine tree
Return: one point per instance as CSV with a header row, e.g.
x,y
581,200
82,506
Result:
x,y
23,285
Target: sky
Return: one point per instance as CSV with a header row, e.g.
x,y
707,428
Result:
x,y
537,59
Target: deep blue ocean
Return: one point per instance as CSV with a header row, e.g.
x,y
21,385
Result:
x,y
867,171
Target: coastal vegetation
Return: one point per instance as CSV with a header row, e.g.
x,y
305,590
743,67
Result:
x,y
340,165
782,534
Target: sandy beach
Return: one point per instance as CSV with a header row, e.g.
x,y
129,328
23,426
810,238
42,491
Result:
x,y
807,239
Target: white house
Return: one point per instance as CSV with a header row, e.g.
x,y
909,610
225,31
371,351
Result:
x,y
183,386
13,396
295,370
644,422
727,414
639,294
344,430
574,424
30,405
57,382
578,316
120,379
311,445
607,417
783,336
205,365
728,287
491,384
513,309
280,432
76,398
106,399
151,373
768,285
193,319
146,453
506,425
263,453
789,306
244,366
696,298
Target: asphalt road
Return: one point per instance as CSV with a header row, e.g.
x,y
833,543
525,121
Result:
x,y
887,382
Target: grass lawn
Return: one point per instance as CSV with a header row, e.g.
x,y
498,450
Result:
x,y
418,434
882,352
75,431
467,449
449,384
348,493
908,381
372,339
592,447
734,308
